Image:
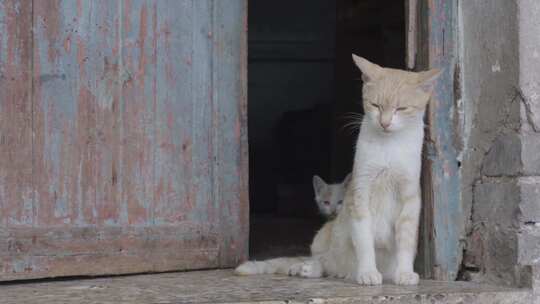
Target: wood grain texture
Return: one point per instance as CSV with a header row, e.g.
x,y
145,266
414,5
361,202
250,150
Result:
x,y
175,188
17,208
231,160
53,252
443,221
138,115
411,11
138,156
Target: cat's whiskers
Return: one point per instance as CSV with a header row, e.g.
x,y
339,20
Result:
x,y
355,123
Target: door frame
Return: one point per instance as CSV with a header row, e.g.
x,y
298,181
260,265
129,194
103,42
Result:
x,y
431,39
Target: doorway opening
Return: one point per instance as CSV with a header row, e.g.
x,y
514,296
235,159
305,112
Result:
x,y
303,87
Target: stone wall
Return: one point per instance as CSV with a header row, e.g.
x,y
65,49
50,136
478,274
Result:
x,y
499,44
529,97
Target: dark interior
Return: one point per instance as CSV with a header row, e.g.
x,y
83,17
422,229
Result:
x,y
302,87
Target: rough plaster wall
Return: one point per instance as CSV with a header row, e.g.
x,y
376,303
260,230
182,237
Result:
x,y
490,124
529,82
500,64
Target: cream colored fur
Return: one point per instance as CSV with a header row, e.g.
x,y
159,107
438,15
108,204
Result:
x,y
375,235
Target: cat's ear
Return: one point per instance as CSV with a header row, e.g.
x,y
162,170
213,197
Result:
x,y
347,180
370,71
318,184
426,80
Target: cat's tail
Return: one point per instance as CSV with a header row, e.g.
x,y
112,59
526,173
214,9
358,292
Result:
x,y
271,266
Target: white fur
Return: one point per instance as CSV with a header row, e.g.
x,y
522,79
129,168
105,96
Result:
x,y
271,266
363,245
375,235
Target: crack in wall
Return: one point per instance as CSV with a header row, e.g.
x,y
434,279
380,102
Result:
x,y
529,114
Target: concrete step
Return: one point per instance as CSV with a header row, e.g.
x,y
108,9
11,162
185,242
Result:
x,y
221,286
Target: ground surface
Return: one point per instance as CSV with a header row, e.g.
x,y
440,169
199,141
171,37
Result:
x,y
222,287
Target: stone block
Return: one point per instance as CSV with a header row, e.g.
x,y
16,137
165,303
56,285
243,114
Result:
x,y
494,244
536,283
504,156
530,199
497,203
530,152
529,245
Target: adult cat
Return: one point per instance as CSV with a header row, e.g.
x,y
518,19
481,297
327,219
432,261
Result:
x,y
375,234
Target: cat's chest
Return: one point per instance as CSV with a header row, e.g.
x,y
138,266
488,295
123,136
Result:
x,y
391,162
394,157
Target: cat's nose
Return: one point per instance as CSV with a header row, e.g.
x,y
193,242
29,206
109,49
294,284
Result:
x,y
385,125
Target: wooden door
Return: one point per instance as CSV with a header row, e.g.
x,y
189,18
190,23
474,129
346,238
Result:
x,y
123,141
431,43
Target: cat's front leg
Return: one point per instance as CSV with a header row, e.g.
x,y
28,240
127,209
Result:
x,y
407,233
362,236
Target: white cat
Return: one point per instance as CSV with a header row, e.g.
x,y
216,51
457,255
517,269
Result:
x,y
329,197
375,235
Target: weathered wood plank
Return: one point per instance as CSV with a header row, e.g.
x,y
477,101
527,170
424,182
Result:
x,y
138,91
17,207
230,127
71,45
444,223
411,29
174,192
110,208
140,149
203,126
51,252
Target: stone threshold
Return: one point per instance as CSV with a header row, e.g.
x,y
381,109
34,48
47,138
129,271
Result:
x,y
222,287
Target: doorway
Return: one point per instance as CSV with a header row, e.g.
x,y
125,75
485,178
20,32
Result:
x,y
303,92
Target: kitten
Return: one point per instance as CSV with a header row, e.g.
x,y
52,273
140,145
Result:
x,y
375,234
329,197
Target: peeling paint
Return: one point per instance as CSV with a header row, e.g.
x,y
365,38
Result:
x,y
442,197
113,155
16,172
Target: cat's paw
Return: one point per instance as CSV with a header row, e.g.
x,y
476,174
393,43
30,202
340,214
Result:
x,y
406,278
311,270
295,269
307,269
369,278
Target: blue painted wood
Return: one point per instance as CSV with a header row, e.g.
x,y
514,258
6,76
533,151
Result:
x,y
443,202
229,104
138,160
203,131
16,192
138,99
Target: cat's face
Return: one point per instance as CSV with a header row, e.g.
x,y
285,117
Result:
x,y
329,197
394,99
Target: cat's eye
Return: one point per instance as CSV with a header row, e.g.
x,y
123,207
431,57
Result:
x,y
340,202
326,203
375,105
401,109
